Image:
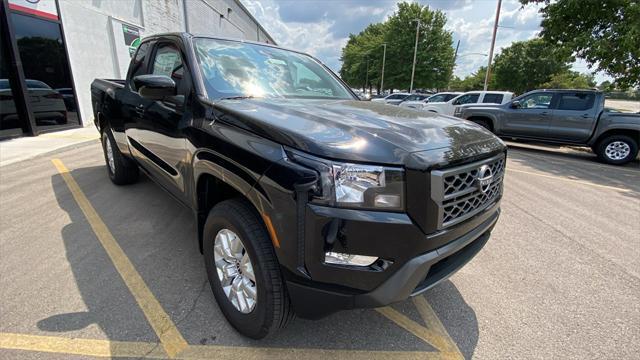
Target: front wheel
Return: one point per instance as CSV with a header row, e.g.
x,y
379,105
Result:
x,y
617,149
243,270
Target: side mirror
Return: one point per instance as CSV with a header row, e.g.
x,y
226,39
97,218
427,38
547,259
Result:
x,y
515,104
154,87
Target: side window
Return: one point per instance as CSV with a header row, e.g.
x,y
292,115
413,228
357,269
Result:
x,y
438,98
576,101
168,61
307,78
393,97
137,63
467,99
536,101
492,99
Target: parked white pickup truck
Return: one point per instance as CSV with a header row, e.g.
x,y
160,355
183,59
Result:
x,y
437,98
471,97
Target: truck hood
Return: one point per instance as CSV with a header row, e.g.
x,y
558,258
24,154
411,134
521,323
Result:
x,y
357,130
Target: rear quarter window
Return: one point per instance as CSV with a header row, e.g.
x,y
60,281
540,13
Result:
x,y
576,101
492,98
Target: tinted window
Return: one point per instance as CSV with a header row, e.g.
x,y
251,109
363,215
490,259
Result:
x,y
395,97
467,99
45,65
449,97
536,101
137,63
415,97
438,98
576,101
492,98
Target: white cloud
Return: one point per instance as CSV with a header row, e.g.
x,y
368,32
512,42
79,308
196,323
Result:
x,y
321,28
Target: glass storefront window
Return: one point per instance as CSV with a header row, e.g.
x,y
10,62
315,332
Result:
x,y
10,124
46,70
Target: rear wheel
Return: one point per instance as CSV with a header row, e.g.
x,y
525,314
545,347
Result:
x,y
243,270
617,149
121,170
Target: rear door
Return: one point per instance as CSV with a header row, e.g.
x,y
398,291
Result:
x,y
531,118
156,135
574,117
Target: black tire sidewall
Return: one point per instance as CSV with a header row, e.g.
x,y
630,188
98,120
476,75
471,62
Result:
x,y
257,323
626,139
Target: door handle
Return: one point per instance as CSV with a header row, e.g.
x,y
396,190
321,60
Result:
x,y
544,113
585,116
139,109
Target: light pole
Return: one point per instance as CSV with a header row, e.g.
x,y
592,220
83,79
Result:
x,y
493,43
384,56
366,82
415,52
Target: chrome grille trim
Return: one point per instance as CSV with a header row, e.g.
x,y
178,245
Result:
x,y
457,194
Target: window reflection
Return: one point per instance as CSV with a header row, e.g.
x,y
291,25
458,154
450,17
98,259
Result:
x,y
9,122
46,70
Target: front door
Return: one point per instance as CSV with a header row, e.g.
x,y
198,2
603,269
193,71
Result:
x,y
531,117
156,135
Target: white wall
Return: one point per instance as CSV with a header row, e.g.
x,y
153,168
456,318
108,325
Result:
x,y
96,45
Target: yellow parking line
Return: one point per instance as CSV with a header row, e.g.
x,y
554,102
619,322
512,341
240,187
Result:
x,y
86,347
114,349
170,338
569,180
437,339
431,320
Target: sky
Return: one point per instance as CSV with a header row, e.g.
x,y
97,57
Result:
x,y
322,28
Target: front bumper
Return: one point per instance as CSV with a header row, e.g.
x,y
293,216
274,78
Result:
x,y
337,288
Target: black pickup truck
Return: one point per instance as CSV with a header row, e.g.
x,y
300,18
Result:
x,y
572,117
307,200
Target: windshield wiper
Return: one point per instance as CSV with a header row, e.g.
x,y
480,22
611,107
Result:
x,y
240,97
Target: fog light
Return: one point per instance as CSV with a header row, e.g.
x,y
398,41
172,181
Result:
x,y
348,259
387,201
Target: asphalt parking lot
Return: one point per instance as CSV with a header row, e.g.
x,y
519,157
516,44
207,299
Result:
x,y
90,269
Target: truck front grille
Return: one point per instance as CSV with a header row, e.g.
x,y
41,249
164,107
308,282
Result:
x,y
464,191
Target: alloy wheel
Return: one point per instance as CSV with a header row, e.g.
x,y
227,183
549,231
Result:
x,y
617,150
235,271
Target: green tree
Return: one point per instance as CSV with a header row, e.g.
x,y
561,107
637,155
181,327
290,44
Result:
x,y
363,48
605,33
606,86
570,80
434,64
475,81
525,65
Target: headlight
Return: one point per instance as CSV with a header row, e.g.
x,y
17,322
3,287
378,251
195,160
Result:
x,y
355,185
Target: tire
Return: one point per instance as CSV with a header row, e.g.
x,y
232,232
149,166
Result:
x,y
122,171
617,149
272,309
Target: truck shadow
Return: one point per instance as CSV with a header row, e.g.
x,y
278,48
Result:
x,y
158,236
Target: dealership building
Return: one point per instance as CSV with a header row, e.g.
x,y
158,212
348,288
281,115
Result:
x,y
53,49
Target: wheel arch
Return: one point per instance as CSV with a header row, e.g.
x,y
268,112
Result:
x,y
633,133
214,183
481,117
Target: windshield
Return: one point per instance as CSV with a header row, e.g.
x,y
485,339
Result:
x,y
235,69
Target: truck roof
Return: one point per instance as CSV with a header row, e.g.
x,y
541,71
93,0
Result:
x,y
564,90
